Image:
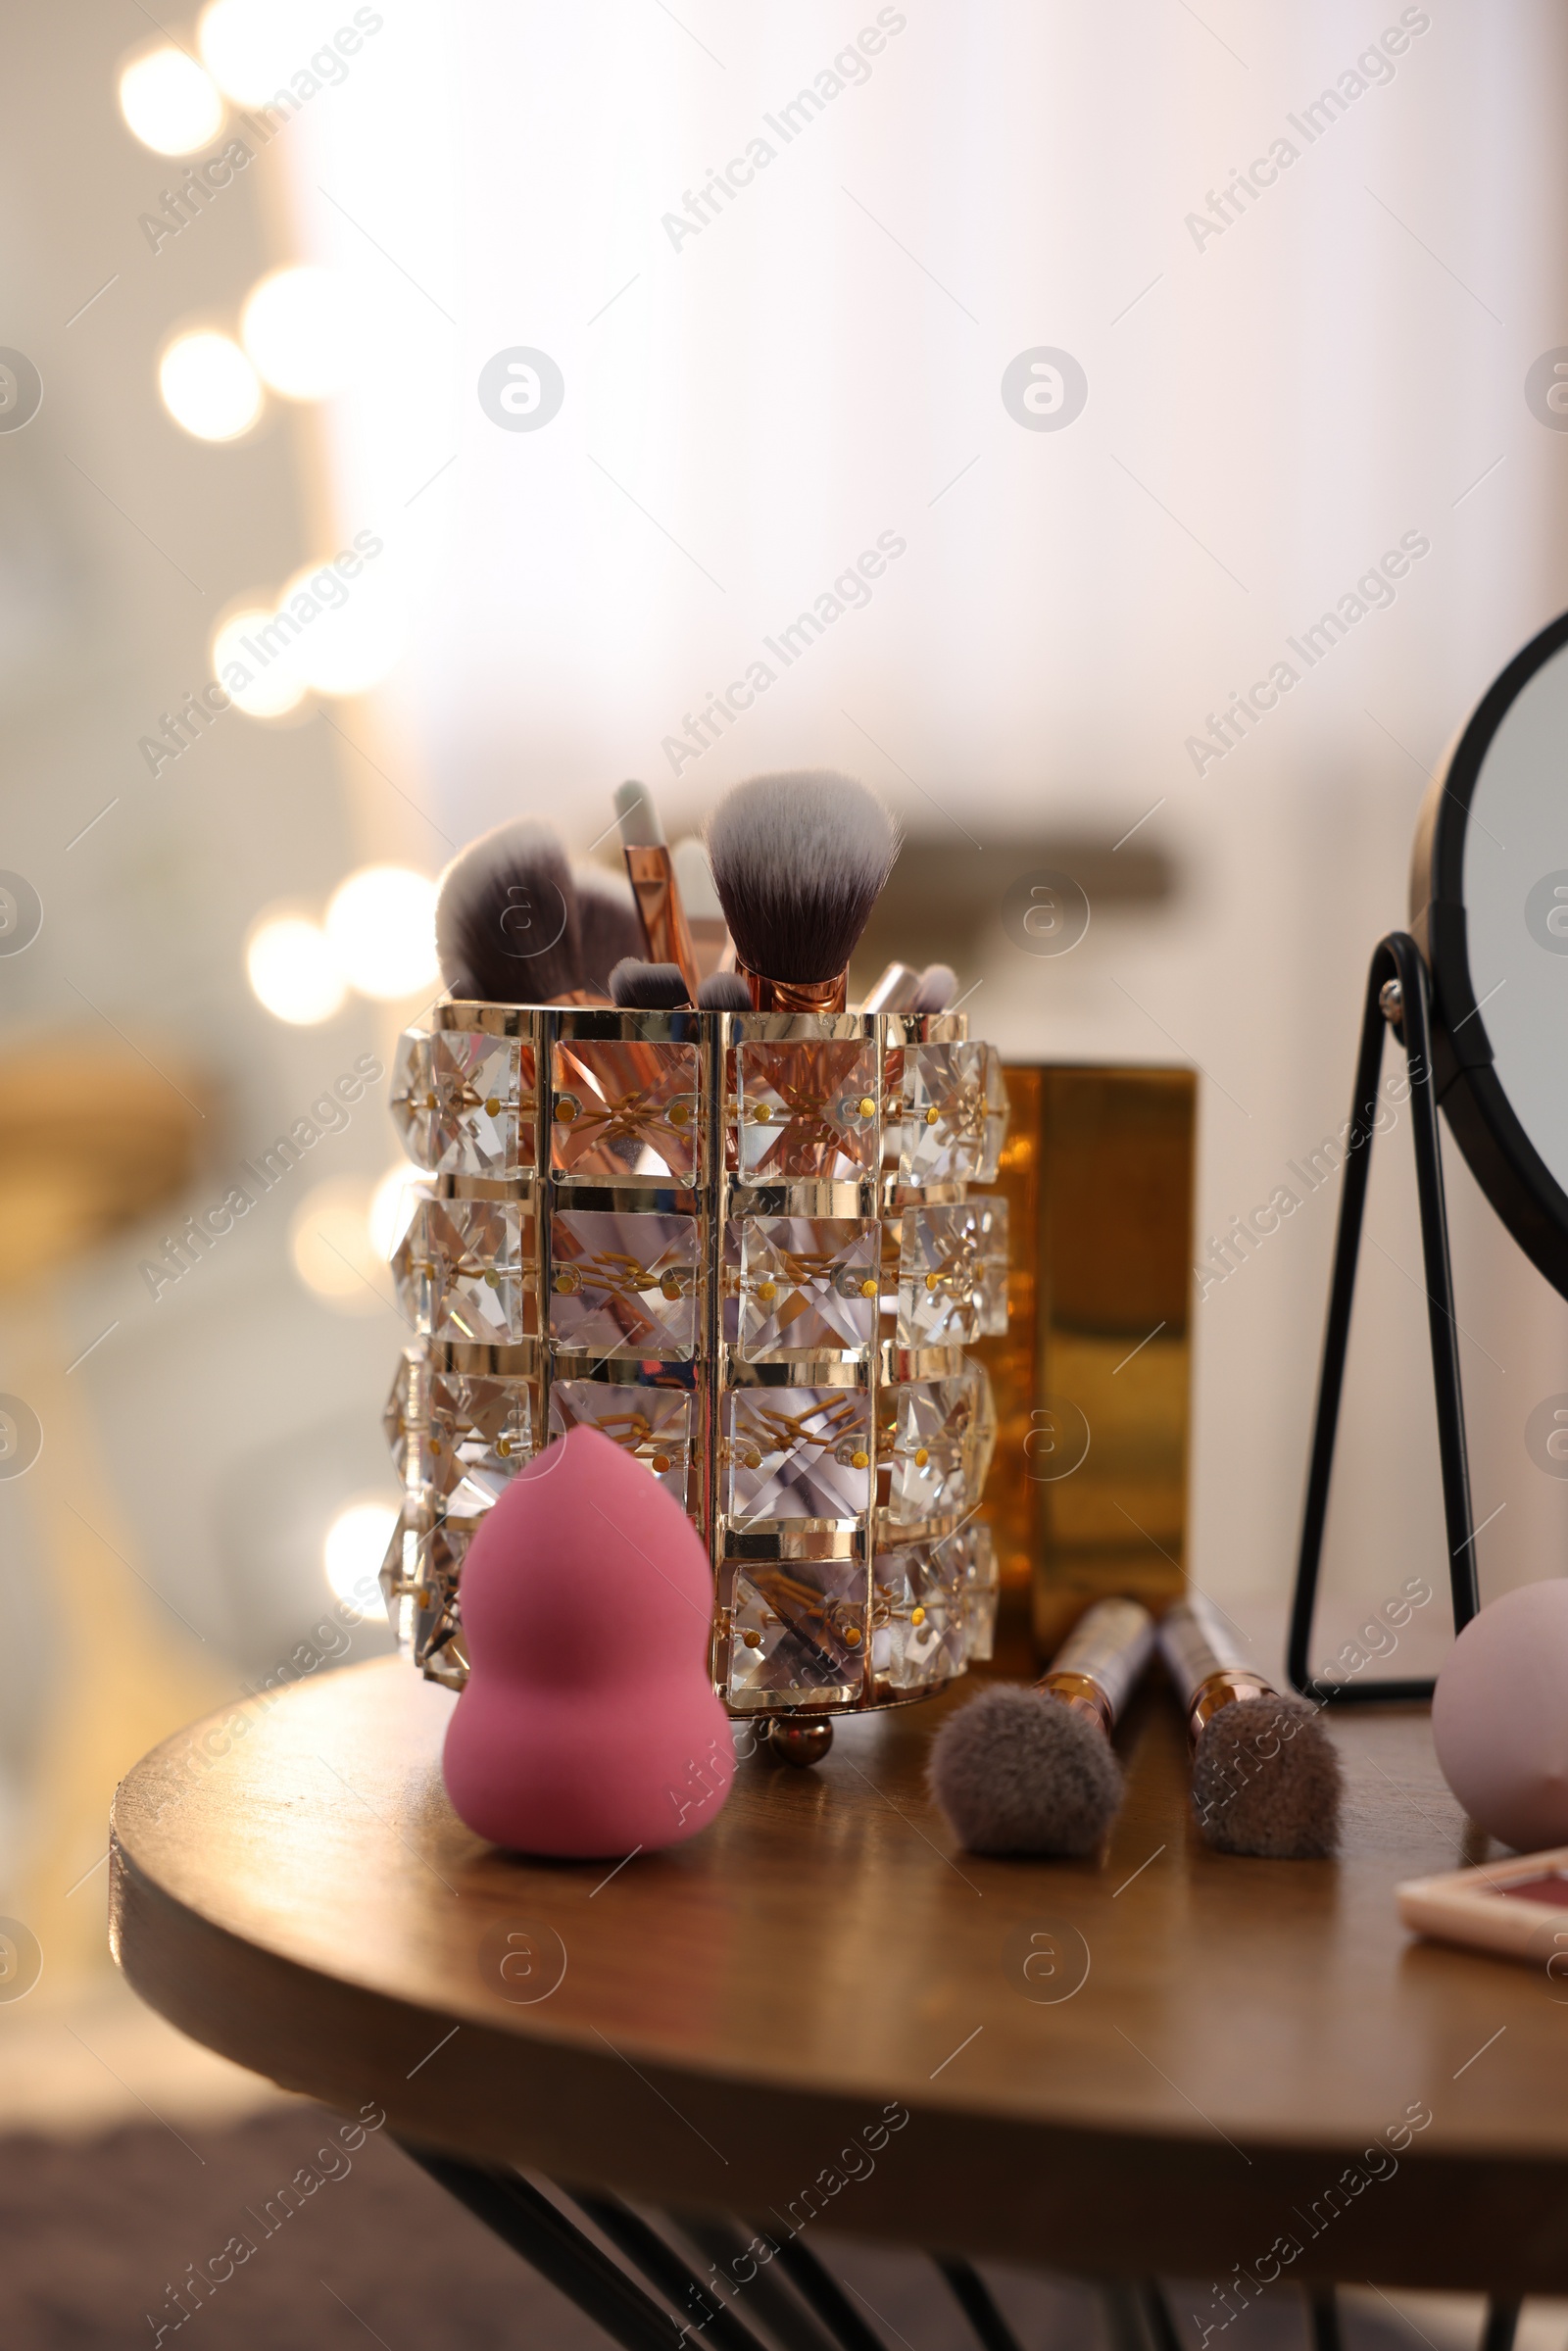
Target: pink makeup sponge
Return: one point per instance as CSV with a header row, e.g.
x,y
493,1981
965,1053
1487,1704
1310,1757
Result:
x,y
1499,1718
588,1726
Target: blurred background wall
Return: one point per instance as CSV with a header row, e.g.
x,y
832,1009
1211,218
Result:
x,y
248,375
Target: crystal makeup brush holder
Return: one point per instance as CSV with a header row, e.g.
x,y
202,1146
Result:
x,y
743,1245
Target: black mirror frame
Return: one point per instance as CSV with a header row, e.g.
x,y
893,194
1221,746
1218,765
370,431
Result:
x,y
1504,1160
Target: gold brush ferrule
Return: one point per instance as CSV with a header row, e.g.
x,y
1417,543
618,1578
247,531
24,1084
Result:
x,y
1223,1689
795,996
1084,1694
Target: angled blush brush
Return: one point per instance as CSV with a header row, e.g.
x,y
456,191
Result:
x,y
1265,1778
798,860
1032,1770
507,925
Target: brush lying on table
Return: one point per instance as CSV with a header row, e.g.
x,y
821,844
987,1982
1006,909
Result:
x,y
798,862
1265,1778
1033,1770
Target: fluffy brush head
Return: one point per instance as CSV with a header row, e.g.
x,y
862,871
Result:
x,y
1016,1771
639,987
724,992
1266,1781
506,917
609,923
939,985
798,862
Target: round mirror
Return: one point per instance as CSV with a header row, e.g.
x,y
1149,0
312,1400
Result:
x,y
1489,909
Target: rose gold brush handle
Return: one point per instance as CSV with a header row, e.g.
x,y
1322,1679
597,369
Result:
x,y
794,996
1204,1661
1096,1668
651,870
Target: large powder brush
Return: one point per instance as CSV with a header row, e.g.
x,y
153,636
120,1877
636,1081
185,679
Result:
x,y
1265,1776
507,927
798,862
1033,1770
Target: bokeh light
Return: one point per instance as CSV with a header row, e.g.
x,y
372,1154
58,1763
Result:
x,y
298,331
355,641
354,1548
392,1204
293,971
252,47
381,922
330,1244
209,386
168,103
250,641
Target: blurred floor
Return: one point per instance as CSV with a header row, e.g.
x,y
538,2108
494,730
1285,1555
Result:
x,y
129,2156
100,2233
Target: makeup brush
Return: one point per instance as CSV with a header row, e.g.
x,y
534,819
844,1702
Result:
x,y
897,990
505,918
725,992
1265,1778
939,985
639,987
651,870
1033,1771
798,860
797,864
608,921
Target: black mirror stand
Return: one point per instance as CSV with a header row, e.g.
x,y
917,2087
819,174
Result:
x,y
1398,997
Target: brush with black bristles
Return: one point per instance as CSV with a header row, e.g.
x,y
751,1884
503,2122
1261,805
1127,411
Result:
x,y
798,862
1265,1779
1033,1770
723,992
506,929
609,923
639,987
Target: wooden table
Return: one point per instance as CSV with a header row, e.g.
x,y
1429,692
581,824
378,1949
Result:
x,y
739,2016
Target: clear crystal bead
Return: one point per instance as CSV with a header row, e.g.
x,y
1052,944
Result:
x,y
651,1424
625,1113
797,1452
802,1285
798,1631
944,1113
625,1285
807,1111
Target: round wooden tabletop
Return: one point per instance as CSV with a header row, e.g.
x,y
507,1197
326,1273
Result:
x,y
1169,2060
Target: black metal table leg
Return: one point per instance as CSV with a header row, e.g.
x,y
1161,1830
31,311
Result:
x,y
975,2299
557,2249
827,2298
663,2268
725,2242
1503,2320
1323,2315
